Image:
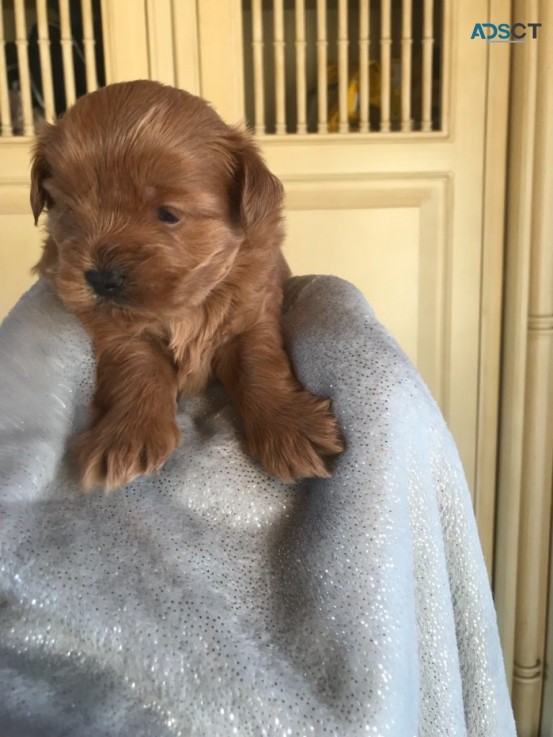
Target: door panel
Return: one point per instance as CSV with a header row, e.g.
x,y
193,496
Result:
x,y
357,238
386,236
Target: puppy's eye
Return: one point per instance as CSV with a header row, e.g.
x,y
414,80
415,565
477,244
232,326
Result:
x,y
166,216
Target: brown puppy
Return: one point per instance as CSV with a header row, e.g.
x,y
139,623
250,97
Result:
x,y
164,235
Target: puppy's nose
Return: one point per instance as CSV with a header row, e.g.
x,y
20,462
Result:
x,y
106,283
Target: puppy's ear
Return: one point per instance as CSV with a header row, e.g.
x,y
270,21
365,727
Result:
x,y
40,171
256,194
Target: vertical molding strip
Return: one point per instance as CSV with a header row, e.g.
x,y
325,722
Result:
x,y
364,41
427,51
67,52
5,118
519,199
23,64
406,54
526,432
301,55
343,43
493,246
322,45
45,63
537,455
385,64
220,36
185,40
161,52
280,69
258,75
89,43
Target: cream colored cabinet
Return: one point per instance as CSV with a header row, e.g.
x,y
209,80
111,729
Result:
x,y
385,124
388,125
408,203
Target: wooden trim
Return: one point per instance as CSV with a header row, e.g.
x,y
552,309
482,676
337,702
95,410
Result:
x,y
386,65
161,53
185,45
493,235
125,40
526,438
224,81
537,458
16,160
517,260
449,54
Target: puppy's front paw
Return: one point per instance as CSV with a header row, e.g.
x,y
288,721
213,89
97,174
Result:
x,y
115,450
296,441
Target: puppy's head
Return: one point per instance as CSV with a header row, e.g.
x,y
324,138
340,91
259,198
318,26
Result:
x,y
150,196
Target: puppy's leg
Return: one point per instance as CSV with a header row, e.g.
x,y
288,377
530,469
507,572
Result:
x,y
288,429
134,430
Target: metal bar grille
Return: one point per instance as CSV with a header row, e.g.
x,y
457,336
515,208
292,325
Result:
x,y
50,54
323,67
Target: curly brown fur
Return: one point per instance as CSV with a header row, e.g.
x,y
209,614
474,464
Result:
x,y
197,292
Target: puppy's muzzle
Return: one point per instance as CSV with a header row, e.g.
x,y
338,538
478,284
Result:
x,y
106,283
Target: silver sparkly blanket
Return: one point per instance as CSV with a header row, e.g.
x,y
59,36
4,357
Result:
x,y
212,600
